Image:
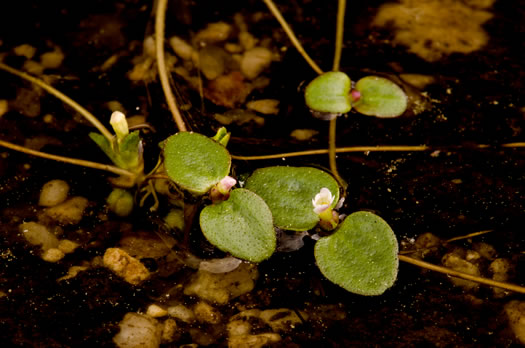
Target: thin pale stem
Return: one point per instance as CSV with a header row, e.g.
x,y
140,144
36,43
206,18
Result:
x,y
337,150
332,152
78,162
379,148
470,235
277,14
64,98
339,33
160,19
453,273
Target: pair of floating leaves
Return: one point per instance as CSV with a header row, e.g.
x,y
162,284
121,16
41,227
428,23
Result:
x,y
329,93
195,162
289,191
361,256
241,225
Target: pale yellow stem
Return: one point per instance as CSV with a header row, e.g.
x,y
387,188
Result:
x,y
451,272
339,33
64,98
160,19
332,152
277,14
69,160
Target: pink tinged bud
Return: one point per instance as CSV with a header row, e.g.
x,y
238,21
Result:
x,y
355,94
226,184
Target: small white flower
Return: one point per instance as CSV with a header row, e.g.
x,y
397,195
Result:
x,y
120,124
322,200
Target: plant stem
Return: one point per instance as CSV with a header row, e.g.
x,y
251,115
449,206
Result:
x,y
451,272
277,14
332,153
339,33
78,162
378,148
64,98
160,18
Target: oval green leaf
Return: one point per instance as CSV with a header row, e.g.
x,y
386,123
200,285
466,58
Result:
x,y
289,191
241,226
361,255
195,162
380,97
329,93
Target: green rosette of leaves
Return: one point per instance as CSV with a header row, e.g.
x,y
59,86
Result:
x,y
289,191
361,255
195,162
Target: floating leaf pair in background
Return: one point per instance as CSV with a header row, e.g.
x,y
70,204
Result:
x,y
331,94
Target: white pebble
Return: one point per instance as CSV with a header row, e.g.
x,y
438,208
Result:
x,y
53,192
181,312
53,255
156,311
254,61
37,234
264,106
138,331
181,47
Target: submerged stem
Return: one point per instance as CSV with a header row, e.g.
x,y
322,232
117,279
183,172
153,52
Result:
x,y
160,18
378,148
332,153
64,98
451,272
277,14
339,33
78,162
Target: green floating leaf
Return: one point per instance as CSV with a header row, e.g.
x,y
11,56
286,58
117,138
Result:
x,y
380,97
241,225
329,93
361,255
289,191
195,162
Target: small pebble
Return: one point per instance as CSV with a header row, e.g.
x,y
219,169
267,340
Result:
x,y
37,234
25,50
67,246
212,61
53,192
125,266
52,255
303,134
52,60
69,212
205,313
264,106
254,61
4,107
515,311
182,313
181,47
138,331
222,287
213,33
156,311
